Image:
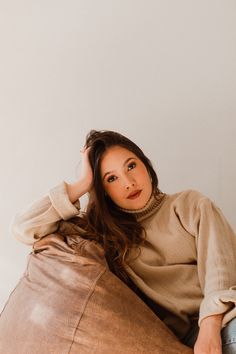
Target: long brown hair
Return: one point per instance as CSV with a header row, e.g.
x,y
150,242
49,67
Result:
x,y
103,221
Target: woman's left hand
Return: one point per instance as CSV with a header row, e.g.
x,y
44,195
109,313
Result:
x,y
209,336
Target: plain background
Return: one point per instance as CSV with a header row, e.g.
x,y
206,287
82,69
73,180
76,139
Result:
x,y
161,72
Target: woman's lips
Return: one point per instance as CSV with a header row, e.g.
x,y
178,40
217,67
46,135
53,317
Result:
x,y
136,195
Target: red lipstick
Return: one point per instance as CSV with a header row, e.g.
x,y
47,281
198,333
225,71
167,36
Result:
x,y
134,194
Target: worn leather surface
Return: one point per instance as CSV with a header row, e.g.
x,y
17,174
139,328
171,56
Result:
x,y
68,302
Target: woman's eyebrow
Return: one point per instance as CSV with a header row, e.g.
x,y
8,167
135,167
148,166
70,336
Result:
x,y
127,160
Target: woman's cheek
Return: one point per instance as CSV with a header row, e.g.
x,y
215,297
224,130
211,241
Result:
x,y
114,192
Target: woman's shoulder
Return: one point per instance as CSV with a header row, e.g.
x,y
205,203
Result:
x,y
187,196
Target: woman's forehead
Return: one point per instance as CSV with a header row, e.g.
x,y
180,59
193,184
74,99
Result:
x,y
115,156
115,152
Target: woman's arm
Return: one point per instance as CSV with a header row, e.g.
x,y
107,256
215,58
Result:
x,y
209,336
76,190
215,252
62,202
42,216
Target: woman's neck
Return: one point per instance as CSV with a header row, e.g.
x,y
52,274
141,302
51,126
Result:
x,y
153,204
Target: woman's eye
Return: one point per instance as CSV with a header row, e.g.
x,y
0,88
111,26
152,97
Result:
x,y
111,179
131,165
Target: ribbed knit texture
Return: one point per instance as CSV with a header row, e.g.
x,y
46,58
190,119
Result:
x,y
149,209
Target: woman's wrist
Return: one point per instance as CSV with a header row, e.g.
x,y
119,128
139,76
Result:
x,y
213,321
77,189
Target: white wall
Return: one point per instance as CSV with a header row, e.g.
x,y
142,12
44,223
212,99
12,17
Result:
x,y
161,72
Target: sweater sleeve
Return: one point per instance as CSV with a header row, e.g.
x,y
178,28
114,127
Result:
x,y
216,256
42,217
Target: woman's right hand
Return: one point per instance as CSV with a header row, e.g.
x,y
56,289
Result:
x,y
85,182
86,170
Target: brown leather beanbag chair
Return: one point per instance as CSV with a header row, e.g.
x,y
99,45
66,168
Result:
x,y
68,302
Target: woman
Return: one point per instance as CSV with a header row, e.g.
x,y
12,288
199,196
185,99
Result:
x,y
179,250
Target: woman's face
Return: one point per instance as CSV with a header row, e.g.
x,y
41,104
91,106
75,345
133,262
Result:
x,y
125,178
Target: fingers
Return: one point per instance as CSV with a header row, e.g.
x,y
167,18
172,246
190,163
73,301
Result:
x,y
84,149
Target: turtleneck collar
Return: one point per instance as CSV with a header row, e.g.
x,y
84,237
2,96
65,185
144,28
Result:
x,y
153,204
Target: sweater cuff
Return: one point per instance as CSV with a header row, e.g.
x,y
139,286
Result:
x,y
60,200
221,302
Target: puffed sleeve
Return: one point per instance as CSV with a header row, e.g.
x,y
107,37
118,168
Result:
x,y
216,256
42,217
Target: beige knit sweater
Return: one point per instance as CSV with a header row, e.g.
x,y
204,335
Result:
x,y
188,262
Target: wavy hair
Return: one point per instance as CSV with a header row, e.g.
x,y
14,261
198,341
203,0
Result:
x,y
103,221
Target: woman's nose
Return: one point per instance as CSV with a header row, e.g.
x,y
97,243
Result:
x,y
129,184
